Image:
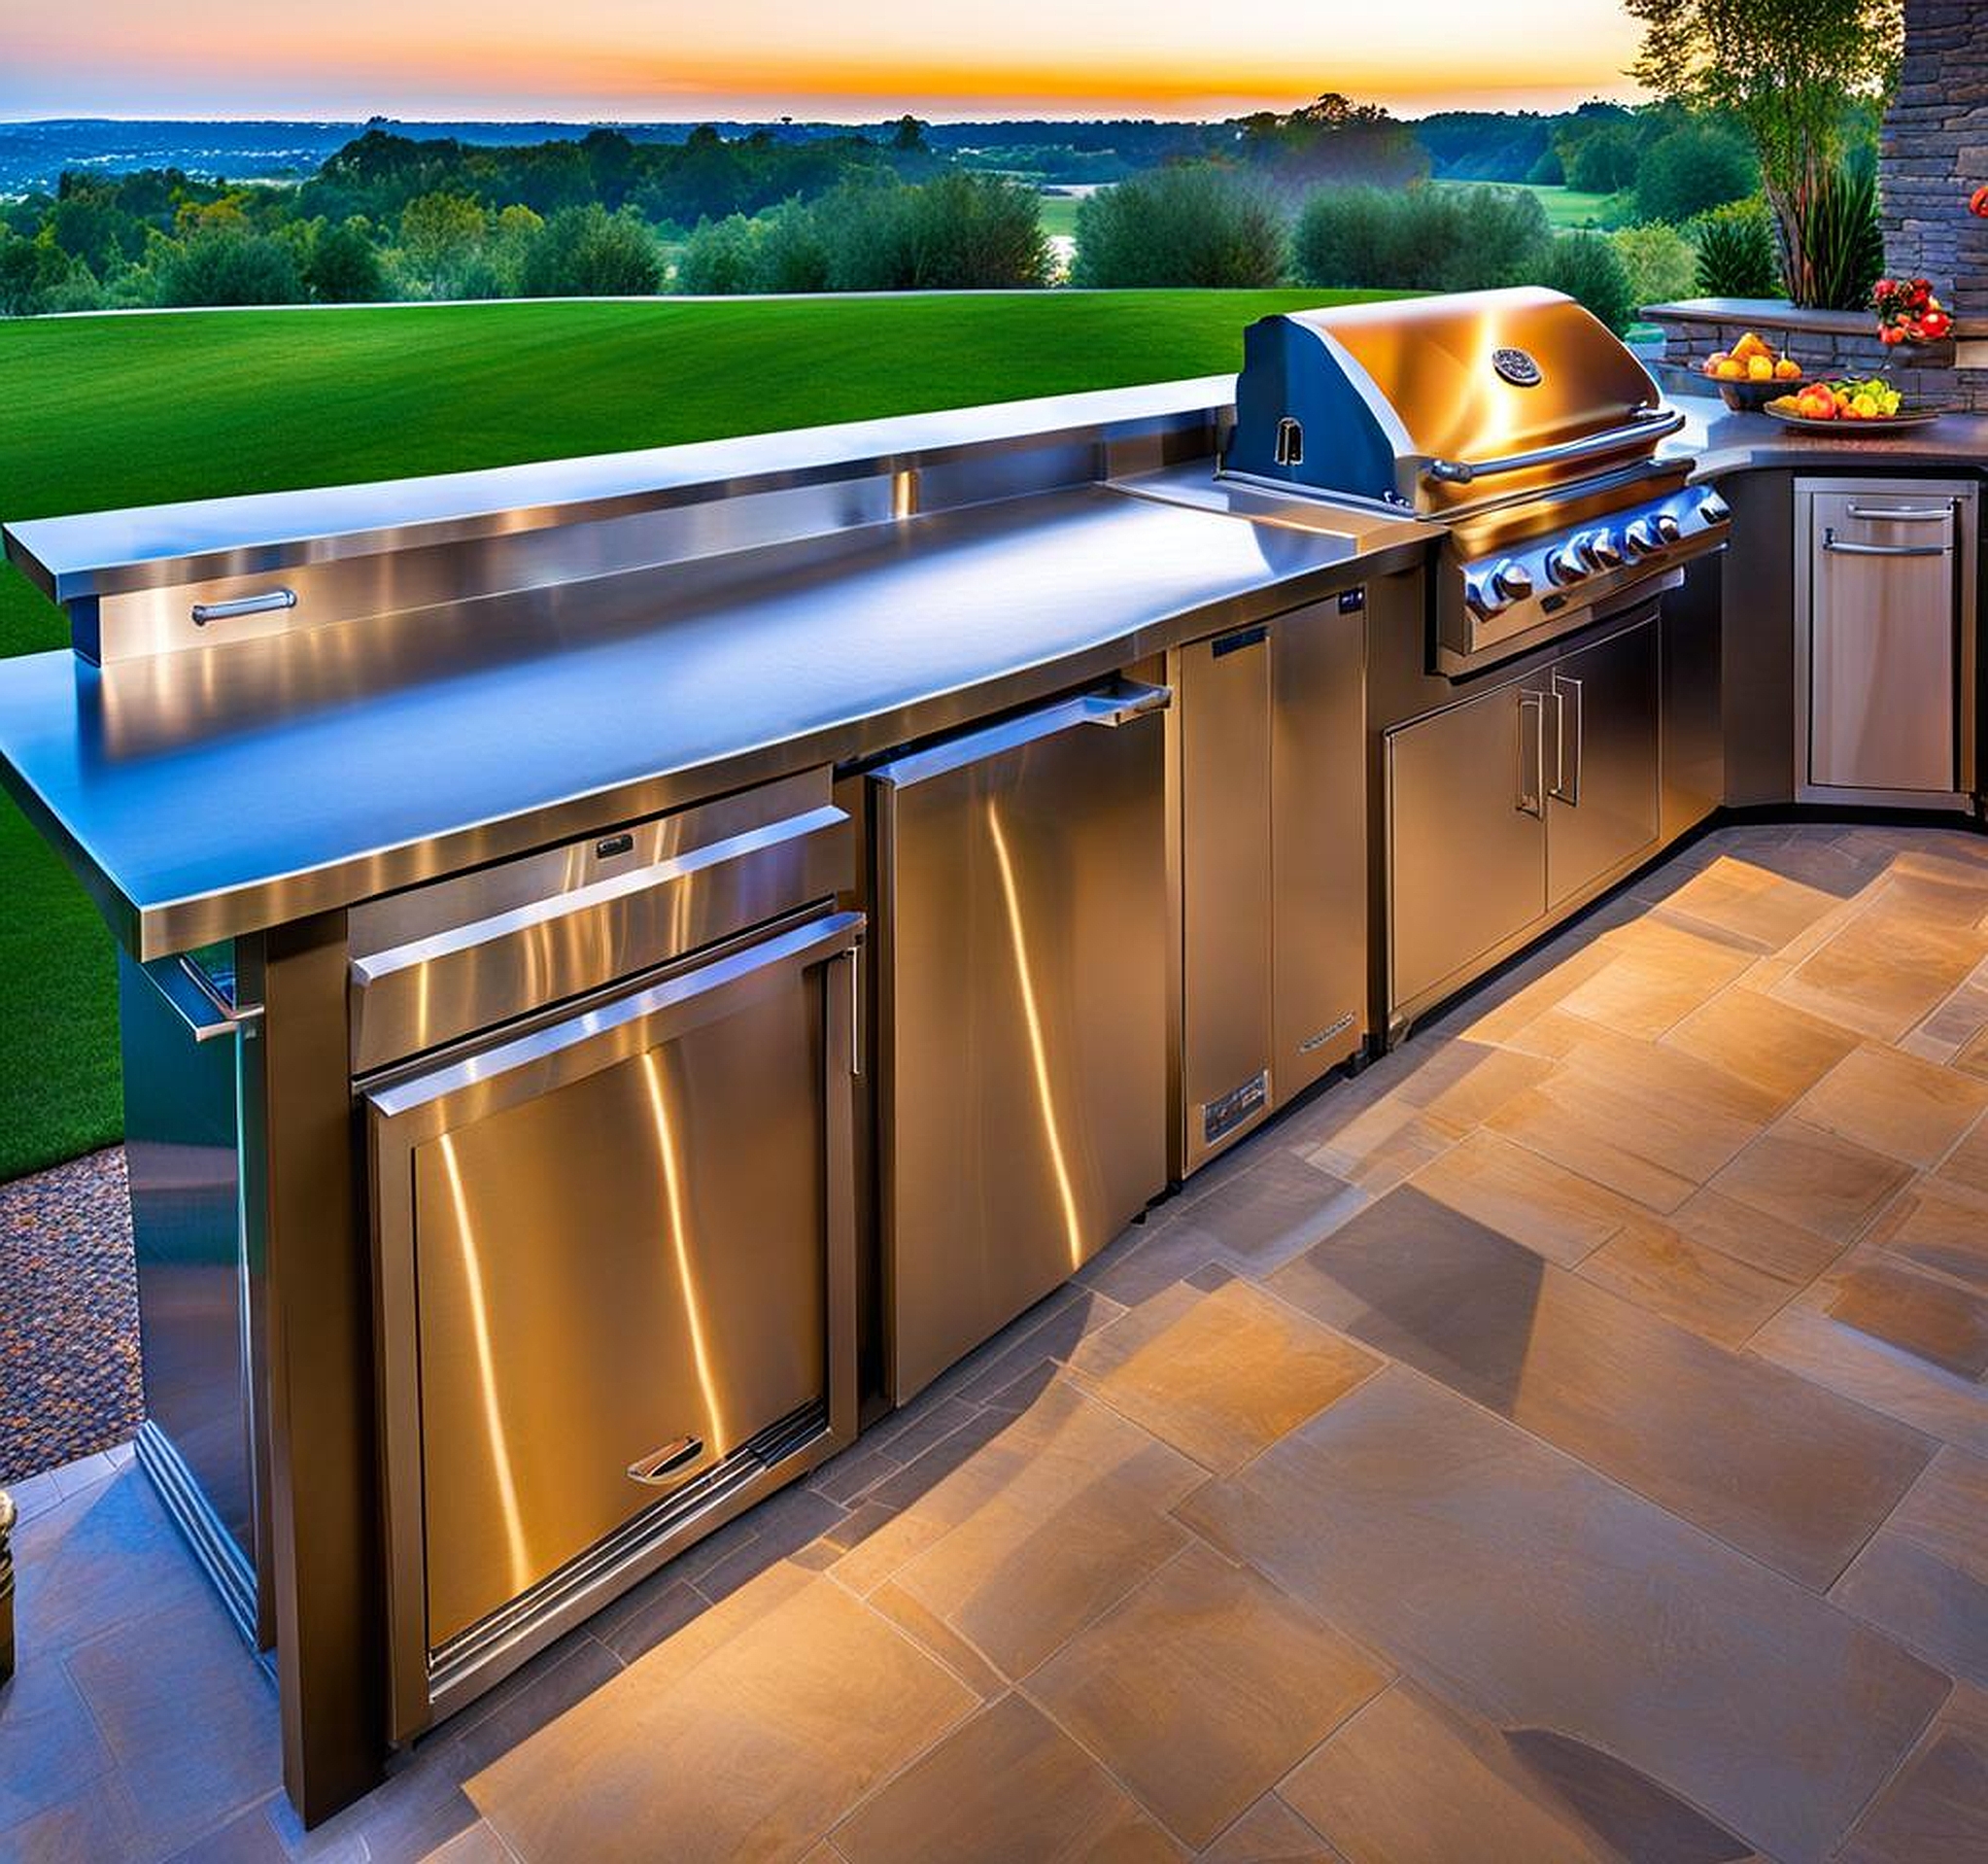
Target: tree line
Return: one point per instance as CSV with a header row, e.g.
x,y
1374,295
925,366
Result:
x,y
1334,193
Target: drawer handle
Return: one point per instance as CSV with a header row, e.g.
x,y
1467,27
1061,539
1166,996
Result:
x,y
1837,548
1903,514
266,604
655,1469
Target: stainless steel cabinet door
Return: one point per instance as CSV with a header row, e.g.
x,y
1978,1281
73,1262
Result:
x,y
1222,707
1883,686
1603,802
1319,867
1466,837
1022,948
607,1256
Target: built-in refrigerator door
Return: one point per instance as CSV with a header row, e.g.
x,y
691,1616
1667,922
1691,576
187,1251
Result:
x,y
1022,965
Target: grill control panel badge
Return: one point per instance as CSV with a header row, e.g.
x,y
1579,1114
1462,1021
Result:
x,y
1518,368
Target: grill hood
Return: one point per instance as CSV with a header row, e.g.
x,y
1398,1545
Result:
x,y
1439,405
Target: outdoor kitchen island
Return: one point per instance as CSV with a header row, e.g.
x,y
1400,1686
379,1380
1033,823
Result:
x,y
639,851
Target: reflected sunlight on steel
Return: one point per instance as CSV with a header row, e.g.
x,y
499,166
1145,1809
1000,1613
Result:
x,y
1038,1054
522,1572
680,1241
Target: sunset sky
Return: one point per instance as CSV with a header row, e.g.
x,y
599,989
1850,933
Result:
x,y
636,59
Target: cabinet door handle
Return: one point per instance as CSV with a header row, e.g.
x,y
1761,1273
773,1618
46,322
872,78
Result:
x,y
659,1465
1568,792
1532,802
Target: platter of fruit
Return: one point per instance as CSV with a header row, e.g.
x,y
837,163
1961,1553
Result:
x,y
1908,312
1751,374
1869,406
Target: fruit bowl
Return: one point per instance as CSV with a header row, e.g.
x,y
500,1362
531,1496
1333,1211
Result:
x,y
1750,397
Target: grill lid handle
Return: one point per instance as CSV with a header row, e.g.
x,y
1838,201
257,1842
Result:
x,y
1644,424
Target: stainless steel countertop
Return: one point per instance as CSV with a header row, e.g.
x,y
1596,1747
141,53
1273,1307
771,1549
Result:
x,y
201,795
104,553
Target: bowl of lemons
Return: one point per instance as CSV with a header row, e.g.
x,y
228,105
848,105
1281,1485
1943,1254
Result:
x,y
1752,373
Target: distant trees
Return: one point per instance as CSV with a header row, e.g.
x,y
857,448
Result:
x,y
960,231
1191,225
441,234
1335,140
1692,169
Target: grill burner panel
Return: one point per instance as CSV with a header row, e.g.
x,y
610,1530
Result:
x,y
1514,418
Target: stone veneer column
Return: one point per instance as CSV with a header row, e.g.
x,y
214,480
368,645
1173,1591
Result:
x,y
1936,153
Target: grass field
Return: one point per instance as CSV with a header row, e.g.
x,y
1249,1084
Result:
x,y
1566,211
102,412
1059,214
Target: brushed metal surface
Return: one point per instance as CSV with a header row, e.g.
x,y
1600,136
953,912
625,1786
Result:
x,y
1466,853
1222,752
469,952
1883,699
181,1145
377,756
1602,711
1022,965
592,1240
1318,828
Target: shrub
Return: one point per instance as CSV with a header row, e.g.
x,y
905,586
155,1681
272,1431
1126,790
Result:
x,y
1589,269
225,267
1423,239
1661,263
873,233
344,266
1192,225
793,255
1692,170
1737,252
441,234
587,252
31,272
720,257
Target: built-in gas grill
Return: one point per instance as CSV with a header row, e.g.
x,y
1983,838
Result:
x,y
1513,418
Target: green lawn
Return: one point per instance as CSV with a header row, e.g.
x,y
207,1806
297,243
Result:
x,y
1059,214
1566,211
104,412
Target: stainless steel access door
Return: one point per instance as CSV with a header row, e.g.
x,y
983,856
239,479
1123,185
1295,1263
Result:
x,y
616,1269
1022,963
1602,791
1884,634
1223,776
1466,837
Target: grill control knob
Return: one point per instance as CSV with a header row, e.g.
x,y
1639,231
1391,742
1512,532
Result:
x,y
1565,565
1668,529
1601,549
1640,538
1511,581
1714,509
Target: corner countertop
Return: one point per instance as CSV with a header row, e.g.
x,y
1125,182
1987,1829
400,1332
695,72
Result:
x,y
201,795
1721,442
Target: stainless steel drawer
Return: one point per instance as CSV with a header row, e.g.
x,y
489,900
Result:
x,y
615,1271
439,962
